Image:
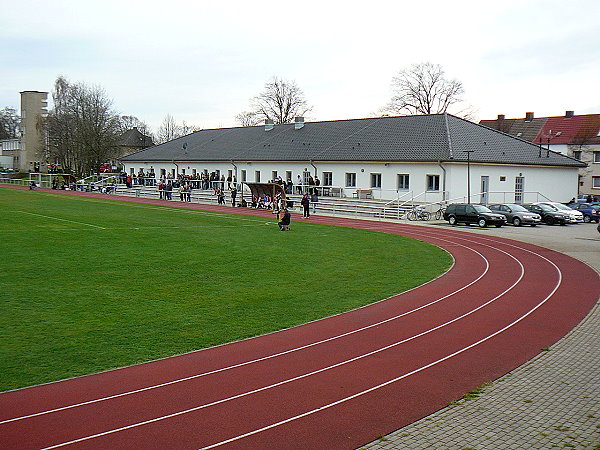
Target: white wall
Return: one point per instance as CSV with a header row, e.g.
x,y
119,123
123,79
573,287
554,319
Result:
x,y
6,162
555,183
558,184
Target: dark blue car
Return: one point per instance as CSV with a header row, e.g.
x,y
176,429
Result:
x,y
590,211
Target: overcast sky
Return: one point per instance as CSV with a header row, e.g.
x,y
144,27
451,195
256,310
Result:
x,y
203,61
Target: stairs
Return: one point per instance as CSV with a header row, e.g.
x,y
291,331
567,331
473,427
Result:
x,y
373,209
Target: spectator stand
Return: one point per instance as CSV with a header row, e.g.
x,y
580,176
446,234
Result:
x,y
273,190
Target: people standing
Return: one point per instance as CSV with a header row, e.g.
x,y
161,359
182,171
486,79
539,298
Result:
x,y
305,202
314,199
233,195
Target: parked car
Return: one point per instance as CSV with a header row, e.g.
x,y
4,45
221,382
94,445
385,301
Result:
x,y
516,214
590,211
549,214
586,198
468,213
572,215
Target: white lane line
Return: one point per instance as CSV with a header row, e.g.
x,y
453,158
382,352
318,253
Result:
x,y
393,380
299,377
275,355
60,219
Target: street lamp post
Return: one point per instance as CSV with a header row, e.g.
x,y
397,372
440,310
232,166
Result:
x,y
468,152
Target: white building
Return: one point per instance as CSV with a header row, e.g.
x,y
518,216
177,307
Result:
x,y
425,158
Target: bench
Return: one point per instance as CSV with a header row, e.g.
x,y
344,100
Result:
x,y
334,192
363,193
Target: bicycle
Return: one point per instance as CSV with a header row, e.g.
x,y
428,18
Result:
x,y
418,214
439,214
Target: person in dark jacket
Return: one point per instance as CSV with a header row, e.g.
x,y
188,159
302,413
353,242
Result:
x,y
305,202
284,221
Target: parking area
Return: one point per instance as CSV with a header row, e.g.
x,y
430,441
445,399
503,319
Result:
x,y
581,241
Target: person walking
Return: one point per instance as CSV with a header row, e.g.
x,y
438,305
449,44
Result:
x,y
305,202
314,199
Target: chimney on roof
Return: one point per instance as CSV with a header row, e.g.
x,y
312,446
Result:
x,y
299,123
528,116
268,125
501,117
569,114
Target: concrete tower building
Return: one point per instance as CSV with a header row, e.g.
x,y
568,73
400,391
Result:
x,y
34,106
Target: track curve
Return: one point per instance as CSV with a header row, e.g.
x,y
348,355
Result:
x,y
335,383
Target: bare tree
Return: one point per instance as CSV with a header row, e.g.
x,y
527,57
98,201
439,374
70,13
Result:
x,y
170,129
187,129
423,89
247,119
82,128
129,122
280,102
9,123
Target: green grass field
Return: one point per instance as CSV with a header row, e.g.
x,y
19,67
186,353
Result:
x,y
89,284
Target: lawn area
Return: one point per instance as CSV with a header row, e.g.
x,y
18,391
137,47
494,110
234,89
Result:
x,y
89,284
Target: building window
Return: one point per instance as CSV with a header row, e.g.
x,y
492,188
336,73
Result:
x,y
273,175
243,175
597,157
288,175
403,181
577,155
596,182
350,179
257,176
327,178
433,183
376,180
502,178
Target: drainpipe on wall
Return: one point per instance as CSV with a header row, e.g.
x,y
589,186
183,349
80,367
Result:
x,y
443,181
235,173
311,163
176,165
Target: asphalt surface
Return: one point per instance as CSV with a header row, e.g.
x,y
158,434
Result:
x,y
552,401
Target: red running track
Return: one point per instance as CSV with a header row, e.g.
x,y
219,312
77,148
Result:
x,y
335,383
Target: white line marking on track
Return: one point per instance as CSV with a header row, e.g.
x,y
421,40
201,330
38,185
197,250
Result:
x,y
58,218
290,380
275,355
393,380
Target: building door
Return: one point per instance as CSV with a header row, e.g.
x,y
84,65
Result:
x,y
485,189
519,189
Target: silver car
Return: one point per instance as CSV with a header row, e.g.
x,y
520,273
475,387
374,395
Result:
x,y
572,215
516,214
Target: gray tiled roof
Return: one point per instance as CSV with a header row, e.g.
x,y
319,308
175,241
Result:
x,y
429,138
134,138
